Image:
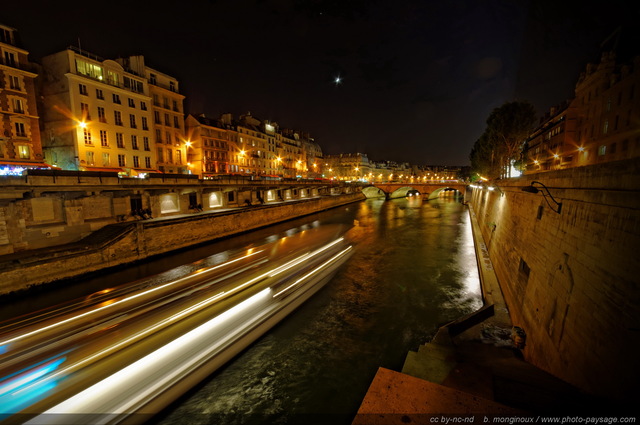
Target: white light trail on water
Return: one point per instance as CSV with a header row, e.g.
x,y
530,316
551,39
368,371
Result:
x,y
89,400
316,270
124,300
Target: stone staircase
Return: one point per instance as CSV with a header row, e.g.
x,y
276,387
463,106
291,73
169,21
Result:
x,y
480,364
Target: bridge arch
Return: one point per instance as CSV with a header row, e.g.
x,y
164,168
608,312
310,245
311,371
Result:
x,y
374,192
401,192
441,191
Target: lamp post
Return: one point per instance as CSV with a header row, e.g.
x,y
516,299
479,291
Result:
x,y
533,189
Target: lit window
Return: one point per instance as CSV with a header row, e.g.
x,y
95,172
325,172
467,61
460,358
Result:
x,y
602,150
24,152
90,157
106,159
112,78
89,69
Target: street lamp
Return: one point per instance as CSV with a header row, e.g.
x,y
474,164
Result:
x,y
533,189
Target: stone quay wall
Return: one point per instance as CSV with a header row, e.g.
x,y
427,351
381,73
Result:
x,y
47,208
571,280
127,242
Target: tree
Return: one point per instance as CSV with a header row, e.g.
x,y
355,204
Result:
x,y
483,159
508,127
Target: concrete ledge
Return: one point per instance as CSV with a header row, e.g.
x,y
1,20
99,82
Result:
x,y
395,398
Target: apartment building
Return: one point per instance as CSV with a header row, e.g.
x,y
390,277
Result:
x,y
347,166
167,106
211,146
20,143
248,145
97,115
257,149
290,153
600,124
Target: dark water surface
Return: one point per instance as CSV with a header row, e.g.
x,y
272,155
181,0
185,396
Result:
x,y
413,269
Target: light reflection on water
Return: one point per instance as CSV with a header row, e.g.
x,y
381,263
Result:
x,y
414,269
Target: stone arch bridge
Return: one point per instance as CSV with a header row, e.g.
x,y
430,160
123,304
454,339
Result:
x,y
400,190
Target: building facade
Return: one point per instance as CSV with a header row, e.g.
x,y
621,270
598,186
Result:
x,y
97,115
347,166
250,146
211,146
20,143
601,124
167,126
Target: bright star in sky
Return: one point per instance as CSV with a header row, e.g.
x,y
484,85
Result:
x,y
337,80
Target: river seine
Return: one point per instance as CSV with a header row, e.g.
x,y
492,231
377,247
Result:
x,y
414,269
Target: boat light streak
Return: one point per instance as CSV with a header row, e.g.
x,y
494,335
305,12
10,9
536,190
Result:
x,y
124,300
13,397
302,258
316,270
98,395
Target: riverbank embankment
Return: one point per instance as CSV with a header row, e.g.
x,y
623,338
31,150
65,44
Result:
x,y
128,242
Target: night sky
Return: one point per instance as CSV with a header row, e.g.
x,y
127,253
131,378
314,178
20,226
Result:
x,y
417,78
